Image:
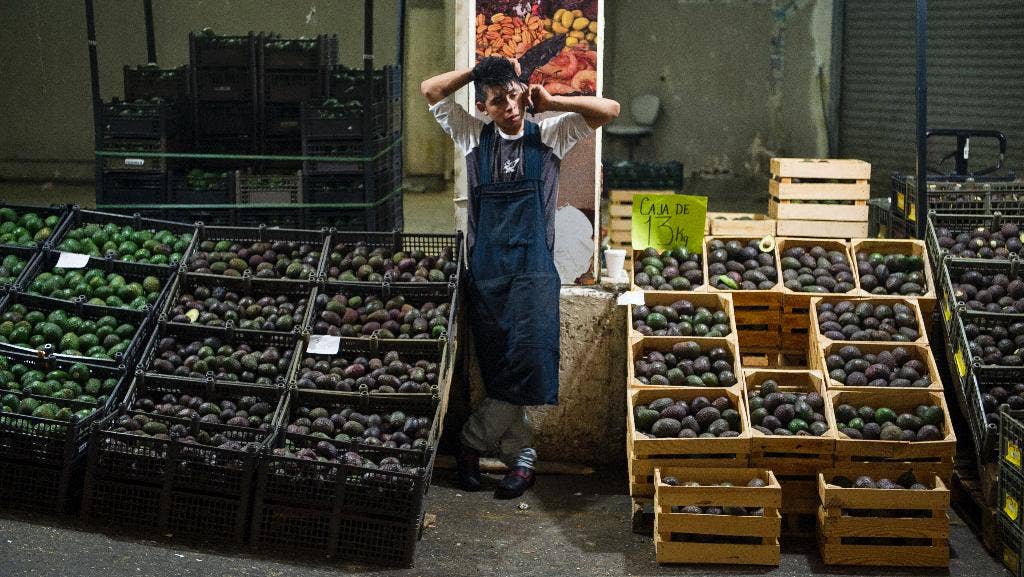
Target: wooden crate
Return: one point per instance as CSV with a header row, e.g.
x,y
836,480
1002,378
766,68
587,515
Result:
x,y
799,188
795,332
739,224
758,312
920,352
644,455
791,456
634,257
836,524
714,302
818,342
923,458
762,530
893,246
638,348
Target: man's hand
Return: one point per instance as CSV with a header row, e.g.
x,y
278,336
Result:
x,y
538,98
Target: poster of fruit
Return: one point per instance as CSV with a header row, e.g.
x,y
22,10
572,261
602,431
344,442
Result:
x,y
512,27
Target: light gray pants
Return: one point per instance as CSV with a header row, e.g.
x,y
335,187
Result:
x,y
502,428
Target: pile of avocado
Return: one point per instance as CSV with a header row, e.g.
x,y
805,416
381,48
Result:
x,y
338,453
247,411
160,247
924,424
773,412
395,429
853,321
666,418
10,268
25,229
215,307
674,270
895,367
345,316
360,263
271,260
687,364
389,374
813,269
29,391
998,342
101,338
892,274
680,319
98,287
242,362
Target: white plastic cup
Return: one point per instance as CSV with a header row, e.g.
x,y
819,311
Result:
x,y
615,259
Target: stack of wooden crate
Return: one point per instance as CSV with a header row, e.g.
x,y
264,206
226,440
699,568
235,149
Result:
x,y
813,197
620,220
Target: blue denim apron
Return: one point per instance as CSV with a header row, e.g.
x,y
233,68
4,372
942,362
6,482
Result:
x,y
513,284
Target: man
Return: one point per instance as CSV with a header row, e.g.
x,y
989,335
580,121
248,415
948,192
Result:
x,y
512,293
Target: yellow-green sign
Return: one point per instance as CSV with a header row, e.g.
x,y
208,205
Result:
x,y
667,221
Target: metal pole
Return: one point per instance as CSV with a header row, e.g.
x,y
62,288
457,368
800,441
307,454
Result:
x,y
147,6
401,33
371,190
97,102
922,117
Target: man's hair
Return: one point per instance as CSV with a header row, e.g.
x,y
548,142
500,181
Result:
x,y
493,71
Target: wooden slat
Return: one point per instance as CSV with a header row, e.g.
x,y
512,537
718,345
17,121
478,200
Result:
x,y
626,196
620,210
836,212
718,553
856,190
821,168
729,224
819,228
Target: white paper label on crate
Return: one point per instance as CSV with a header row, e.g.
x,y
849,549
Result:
x,y
134,162
323,345
72,260
631,298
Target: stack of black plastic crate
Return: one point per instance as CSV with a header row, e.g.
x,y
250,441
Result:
x,y
357,130
151,120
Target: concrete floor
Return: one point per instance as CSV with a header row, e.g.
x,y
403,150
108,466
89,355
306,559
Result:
x,y
568,525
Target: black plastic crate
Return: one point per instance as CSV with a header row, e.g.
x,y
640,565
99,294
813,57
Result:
x,y
228,335
1011,440
354,158
176,464
431,245
237,85
978,197
351,348
141,119
350,84
127,156
120,188
79,218
381,216
298,53
214,215
140,320
952,270
416,294
281,120
209,50
150,81
52,442
244,286
280,86
132,272
986,375
317,238
642,176
41,489
199,186
16,273
50,218
268,188
958,223
283,216
333,121
218,123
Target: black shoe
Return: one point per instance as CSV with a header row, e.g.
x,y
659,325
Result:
x,y
515,483
468,469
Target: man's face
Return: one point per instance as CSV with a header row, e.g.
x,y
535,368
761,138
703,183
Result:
x,y
506,105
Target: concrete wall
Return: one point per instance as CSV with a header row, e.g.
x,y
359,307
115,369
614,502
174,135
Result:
x,y
738,79
47,116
